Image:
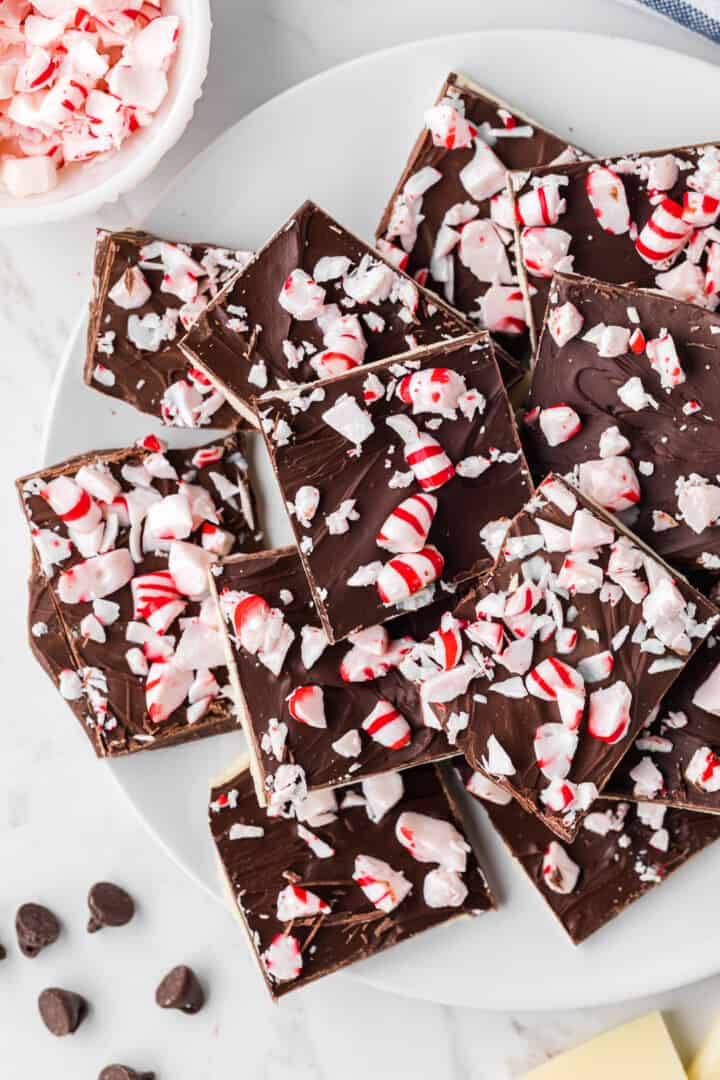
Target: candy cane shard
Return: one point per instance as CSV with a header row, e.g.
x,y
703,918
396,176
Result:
x,y
406,575
387,726
384,887
430,840
430,464
608,198
406,528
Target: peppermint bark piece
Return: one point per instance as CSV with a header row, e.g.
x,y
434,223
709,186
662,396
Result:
x,y
449,222
321,882
647,219
675,760
335,712
562,653
395,476
624,396
119,609
313,303
146,295
622,851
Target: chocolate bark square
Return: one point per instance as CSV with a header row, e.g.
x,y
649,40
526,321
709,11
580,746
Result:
x,y
146,295
395,475
563,651
337,712
646,219
622,851
624,397
449,221
119,613
340,876
674,760
313,303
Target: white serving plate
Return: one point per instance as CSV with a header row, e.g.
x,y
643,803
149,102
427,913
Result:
x,y
341,138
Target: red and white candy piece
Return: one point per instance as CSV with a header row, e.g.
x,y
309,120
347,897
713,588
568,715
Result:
x,y
448,126
96,577
156,599
72,504
482,250
363,665
665,234
406,528
699,503
433,390
431,840
345,346
597,667
188,565
384,887
307,705
408,574
564,323
215,540
703,769
283,958
611,481
700,210
387,726
502,310
560,873
608,198
484,175
543,204
430,464
302,297
609,713
589,532
545,250
554,746
166,688
382,793
131,289
559,423
294,902
261,630
550,675
444,888
663,357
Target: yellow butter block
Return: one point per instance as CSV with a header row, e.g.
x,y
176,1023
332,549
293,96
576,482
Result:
x,y
641,1050
706,1065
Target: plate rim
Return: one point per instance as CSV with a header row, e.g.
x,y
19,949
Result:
x,y
363,974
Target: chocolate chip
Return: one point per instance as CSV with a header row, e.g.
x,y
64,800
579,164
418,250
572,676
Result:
x,y
109,906
36,928
180,989
62,1010
124,1072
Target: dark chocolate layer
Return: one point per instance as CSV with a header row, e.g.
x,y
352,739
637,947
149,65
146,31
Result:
x,y
496,122
616,868
612,257
306,450
238,340
671,441
116,364
603,622
259,867
274,735
105,694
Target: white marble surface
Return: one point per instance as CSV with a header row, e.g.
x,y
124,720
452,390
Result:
x,y
64,824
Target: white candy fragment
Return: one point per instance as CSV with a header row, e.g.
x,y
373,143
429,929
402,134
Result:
x,y
483,788
307,500
559,423
295,902
384,887
698,502
707,695
648,780
611,481
606,192
554,746
609,714
95,578
497,761
301,297
430,839
703,770
444,888
633,395
382,793
349,420
306,704
283,959
613,443
564,323
560,873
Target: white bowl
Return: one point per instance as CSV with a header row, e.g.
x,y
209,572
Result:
x,y
82,189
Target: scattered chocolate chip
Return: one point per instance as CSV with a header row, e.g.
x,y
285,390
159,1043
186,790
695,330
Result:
x,y
36,928
109,906
124,1072
62,1010
180,989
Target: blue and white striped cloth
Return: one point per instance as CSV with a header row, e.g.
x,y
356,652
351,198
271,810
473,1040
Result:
x,y
703,16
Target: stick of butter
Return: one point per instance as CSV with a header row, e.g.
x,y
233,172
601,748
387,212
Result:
x,y
706,1065
641,1050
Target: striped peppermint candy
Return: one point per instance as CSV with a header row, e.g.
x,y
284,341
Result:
x,y
543,205
448,126
406,528
608,198
96,578
429,463
503,310
384,887
156,599
407,574
307,706
302,297
387,726
72,504
665,234
434,390
283,958
166,688
345,346
294,902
